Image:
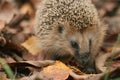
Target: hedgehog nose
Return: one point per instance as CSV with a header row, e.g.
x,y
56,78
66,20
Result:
x,y
83,58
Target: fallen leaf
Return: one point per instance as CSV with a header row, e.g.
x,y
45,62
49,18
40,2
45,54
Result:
x,y
7,11
2,24
27,8
58,71
32,45
2,75
35,64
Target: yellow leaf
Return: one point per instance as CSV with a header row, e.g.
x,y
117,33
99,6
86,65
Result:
x,y
58,71
32,45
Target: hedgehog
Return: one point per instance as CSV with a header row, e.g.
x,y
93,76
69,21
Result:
x,y
69,28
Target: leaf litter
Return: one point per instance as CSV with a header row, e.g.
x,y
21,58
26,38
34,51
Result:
x,y
17,41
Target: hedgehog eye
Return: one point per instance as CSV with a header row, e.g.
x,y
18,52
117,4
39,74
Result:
x,y
60,28
74,45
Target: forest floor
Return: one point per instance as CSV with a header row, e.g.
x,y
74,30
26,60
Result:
x,y
18,49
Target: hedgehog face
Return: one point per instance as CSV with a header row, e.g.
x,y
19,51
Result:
x,y
64,43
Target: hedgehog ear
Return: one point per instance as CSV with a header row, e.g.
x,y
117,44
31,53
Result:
x,y
60,28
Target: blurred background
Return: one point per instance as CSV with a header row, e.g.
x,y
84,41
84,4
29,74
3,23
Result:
x,y
17,17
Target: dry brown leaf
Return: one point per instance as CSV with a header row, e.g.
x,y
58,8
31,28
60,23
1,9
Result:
x,y
97,77
35,64
58,71
31,45
7,11
2,24
101,59
81,77
76,70
3,76
27,8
